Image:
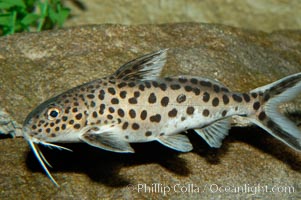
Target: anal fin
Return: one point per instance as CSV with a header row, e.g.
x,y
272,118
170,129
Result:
x,y
177,142
214,133
107,141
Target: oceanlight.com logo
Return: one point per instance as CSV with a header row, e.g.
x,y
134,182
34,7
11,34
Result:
x,y
211,188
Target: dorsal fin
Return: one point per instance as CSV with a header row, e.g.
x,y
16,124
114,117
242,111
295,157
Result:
x,y
146,67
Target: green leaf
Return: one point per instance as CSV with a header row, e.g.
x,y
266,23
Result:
x,y
6,4
29,19
63,16
58,16
52,15
5,19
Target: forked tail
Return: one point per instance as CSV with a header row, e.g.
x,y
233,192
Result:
x,y
267,115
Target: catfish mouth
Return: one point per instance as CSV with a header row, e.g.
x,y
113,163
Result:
x,y
33,143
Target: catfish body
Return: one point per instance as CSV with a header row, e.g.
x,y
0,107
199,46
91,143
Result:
x,y
135,104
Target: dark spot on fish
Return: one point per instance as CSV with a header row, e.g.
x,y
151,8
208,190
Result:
x,y
67,110
155,118
266,97
63,126
101,95
236,98
94,114
136,94
168,79
115,101
57,128
52,124
90,96
190,110
126,137
52,135
109,116
125,125
163,86
206,112
111,91
183,118
143,115
132,84
77,104
246,97
224,113
141,87
262,116
254,95
225,99
102,108
120,112
64,118
256,105
78,116
111,110
196,91
135,126
152,98
216,88
133,100
164,101
71,121
121,85
205,83
194,81
74,110
206,97
148,133
215,102
181,98
76,126
188,88
34,127
132,113
147,84
155,84
162,134
173,113
182,79
122,94
224,89
175,86
92,104
48,130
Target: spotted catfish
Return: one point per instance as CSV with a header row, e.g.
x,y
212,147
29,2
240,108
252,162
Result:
x,y
136,105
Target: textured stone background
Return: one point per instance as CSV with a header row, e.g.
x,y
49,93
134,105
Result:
x,y
38,65
267,15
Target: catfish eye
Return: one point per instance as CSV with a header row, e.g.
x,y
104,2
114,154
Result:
x,y
53,113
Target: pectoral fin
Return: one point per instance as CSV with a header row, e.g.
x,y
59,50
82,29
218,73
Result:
x,y
177,142
215,132
107,141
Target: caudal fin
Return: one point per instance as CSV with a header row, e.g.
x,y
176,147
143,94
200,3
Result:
x,y
267,115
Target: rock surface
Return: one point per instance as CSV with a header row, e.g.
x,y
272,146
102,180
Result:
x,y
265,15
35,66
